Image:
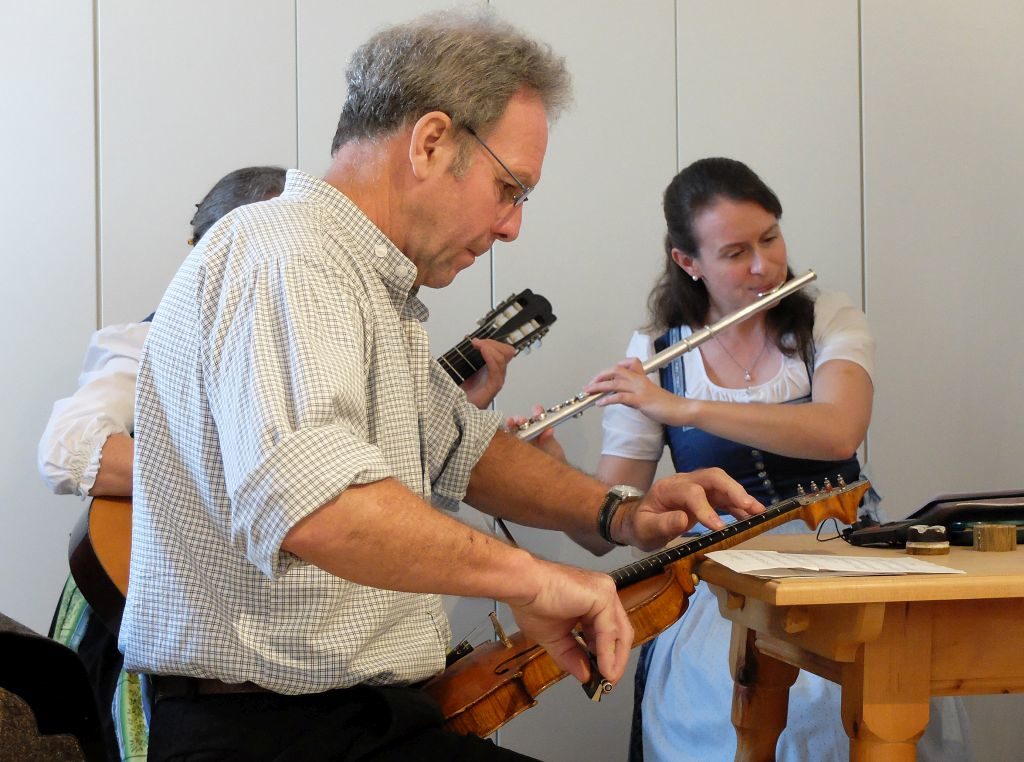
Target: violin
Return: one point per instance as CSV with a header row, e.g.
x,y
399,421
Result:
x,y
501,679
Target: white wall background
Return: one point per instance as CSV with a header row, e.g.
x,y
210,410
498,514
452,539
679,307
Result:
x,y
891,131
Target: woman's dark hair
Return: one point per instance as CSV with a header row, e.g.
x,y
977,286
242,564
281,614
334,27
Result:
x,y
243,186
677,299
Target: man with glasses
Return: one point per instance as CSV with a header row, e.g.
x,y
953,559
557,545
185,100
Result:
x,y
295,438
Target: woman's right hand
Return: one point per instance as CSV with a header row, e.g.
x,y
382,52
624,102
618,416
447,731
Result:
x,y
545,442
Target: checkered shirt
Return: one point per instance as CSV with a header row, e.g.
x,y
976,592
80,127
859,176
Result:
x,y
286,362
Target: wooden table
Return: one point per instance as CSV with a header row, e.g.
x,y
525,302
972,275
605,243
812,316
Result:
x,y
890,642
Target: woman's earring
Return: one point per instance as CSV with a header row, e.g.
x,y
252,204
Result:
x,y
695,278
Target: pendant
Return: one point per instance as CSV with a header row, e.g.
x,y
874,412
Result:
x,y
747,377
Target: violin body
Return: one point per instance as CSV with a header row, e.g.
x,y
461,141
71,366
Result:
x,y
496,682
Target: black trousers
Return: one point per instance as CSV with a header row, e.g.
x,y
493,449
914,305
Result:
x,y
102,661
361,723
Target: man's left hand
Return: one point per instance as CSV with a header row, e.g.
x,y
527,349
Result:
x,y
676,503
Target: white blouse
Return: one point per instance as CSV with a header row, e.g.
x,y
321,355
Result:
x,y
104,404
840,333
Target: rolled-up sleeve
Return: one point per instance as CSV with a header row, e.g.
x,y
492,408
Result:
x,y
457,440
841,332
68,453
288,394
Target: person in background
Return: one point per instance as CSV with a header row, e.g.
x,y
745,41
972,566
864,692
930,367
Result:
x,y
297,447
87,450
778,400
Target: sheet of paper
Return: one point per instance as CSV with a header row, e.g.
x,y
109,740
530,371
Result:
x,y
769,563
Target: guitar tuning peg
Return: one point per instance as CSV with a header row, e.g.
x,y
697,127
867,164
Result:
x,y
814,487
828,485
800,489
527,349
841,480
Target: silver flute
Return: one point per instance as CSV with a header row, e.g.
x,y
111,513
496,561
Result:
x,y
575,406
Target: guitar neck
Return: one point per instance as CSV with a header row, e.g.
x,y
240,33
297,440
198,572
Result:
x,y
462,361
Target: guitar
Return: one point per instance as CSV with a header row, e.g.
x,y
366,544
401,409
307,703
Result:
x,y
493,683
99,551
520,320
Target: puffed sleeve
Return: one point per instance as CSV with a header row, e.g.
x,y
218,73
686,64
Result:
x,y
841,332
628,433
104,404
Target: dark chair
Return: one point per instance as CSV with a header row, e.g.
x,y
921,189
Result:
x,y
47,710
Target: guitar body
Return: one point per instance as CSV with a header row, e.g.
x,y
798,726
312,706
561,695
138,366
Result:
x,y
99,554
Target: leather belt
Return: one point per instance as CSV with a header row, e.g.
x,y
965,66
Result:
x,y
176,686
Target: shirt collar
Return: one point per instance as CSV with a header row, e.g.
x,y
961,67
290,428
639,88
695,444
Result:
x,y
395,270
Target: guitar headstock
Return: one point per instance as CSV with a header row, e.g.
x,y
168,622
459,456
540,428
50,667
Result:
x,y
831,502
519,321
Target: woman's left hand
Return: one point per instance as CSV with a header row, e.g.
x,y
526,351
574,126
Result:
x,y
545,441
626,384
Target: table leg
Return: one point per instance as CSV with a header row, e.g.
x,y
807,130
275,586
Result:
x,y
760,697
886,689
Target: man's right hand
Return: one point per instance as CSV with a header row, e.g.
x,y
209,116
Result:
x,y
568,597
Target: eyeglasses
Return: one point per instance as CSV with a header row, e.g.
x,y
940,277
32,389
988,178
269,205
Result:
x,y
518,199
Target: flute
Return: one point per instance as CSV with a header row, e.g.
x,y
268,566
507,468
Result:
x,y
575,406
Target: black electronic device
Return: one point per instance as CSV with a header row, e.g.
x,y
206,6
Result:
x,y
957,512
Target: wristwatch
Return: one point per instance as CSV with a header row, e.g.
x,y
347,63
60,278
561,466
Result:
x,y
617,495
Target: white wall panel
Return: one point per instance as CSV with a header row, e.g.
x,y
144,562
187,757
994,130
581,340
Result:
x,y
188,92
943,172
775,85
48,256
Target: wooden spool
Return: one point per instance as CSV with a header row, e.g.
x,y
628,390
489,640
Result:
x,y
995,537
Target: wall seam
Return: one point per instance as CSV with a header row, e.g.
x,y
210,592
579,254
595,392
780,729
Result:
x,y
863,195
298,123
97,216
675,75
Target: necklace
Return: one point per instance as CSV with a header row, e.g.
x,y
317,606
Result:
x,y
748,373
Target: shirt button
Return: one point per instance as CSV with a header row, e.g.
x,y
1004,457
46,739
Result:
x,y
755,453
401,271
380,250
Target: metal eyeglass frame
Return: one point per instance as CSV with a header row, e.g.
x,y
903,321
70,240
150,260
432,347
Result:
x,y
517,200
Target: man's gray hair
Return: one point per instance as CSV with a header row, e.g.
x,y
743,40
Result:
x,y
467,64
